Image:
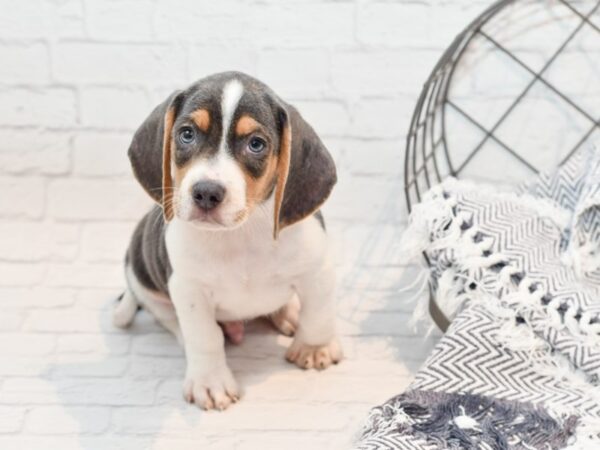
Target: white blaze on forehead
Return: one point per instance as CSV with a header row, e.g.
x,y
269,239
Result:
x,y
232,92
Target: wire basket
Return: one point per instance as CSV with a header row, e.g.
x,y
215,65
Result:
x,y
516,93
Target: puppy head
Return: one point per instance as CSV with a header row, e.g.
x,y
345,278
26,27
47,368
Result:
x,y
213,153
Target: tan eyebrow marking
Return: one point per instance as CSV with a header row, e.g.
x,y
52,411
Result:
x,y
246,125
201,118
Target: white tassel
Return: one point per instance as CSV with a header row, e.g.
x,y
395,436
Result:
x,y
553,314
571,323
447,295
505,276
519,338
586,258
402,418
586,326
426,220
465,422
481,262
586,434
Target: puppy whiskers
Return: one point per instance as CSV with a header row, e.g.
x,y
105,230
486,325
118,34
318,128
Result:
x,y
170,198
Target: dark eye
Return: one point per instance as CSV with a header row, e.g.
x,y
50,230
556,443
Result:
x,y
256,145
186,135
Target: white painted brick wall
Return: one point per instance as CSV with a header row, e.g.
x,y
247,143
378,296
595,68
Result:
x,y
76,79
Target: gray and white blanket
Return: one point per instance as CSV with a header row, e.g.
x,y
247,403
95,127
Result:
x,y
519,274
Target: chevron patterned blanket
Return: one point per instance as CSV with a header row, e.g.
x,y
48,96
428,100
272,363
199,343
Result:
x,y
519,274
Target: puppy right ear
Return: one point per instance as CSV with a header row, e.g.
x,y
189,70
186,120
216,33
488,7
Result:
x,y
150,152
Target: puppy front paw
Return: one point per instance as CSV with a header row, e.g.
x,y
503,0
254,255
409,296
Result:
x,y
210,389
314,356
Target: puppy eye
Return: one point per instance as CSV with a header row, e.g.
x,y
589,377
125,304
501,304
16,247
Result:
x,y
256,145
186,135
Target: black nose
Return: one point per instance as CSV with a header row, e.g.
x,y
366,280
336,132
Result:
x,y
208,194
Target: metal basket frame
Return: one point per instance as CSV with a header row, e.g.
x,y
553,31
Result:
x,y
422,137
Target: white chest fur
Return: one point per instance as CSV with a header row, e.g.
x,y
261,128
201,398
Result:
x,y
245,273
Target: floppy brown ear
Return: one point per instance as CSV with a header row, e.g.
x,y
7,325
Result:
x,y
306,171
150,153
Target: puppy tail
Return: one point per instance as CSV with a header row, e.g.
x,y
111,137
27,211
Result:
x,y
125,310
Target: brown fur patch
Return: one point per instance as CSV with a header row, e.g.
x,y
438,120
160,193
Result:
x,y
246,125
180,172
283,168
257,189
167,182
201,118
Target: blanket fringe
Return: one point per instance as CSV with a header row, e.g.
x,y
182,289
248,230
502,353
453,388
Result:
x,y
437,224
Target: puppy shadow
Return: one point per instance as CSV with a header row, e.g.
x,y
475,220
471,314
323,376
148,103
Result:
x,y
381,287
129,382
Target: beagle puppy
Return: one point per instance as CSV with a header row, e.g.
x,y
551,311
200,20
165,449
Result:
x,y
238,177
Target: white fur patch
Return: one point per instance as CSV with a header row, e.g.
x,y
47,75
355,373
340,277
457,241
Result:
x,y
232,93
243,273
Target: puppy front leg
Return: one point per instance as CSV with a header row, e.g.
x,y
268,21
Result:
x,y
316,343
209,382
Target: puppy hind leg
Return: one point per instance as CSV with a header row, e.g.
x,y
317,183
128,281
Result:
x,y
285,320
156,303
315,343
125,310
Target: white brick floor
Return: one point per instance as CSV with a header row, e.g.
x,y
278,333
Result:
x,y
69,379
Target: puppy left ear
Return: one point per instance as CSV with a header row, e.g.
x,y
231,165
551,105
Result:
x,y
150,153
305,171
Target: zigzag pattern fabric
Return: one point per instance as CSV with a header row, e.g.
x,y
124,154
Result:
x,y
519,273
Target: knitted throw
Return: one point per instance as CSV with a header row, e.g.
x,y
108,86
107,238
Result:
x,y
518,272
